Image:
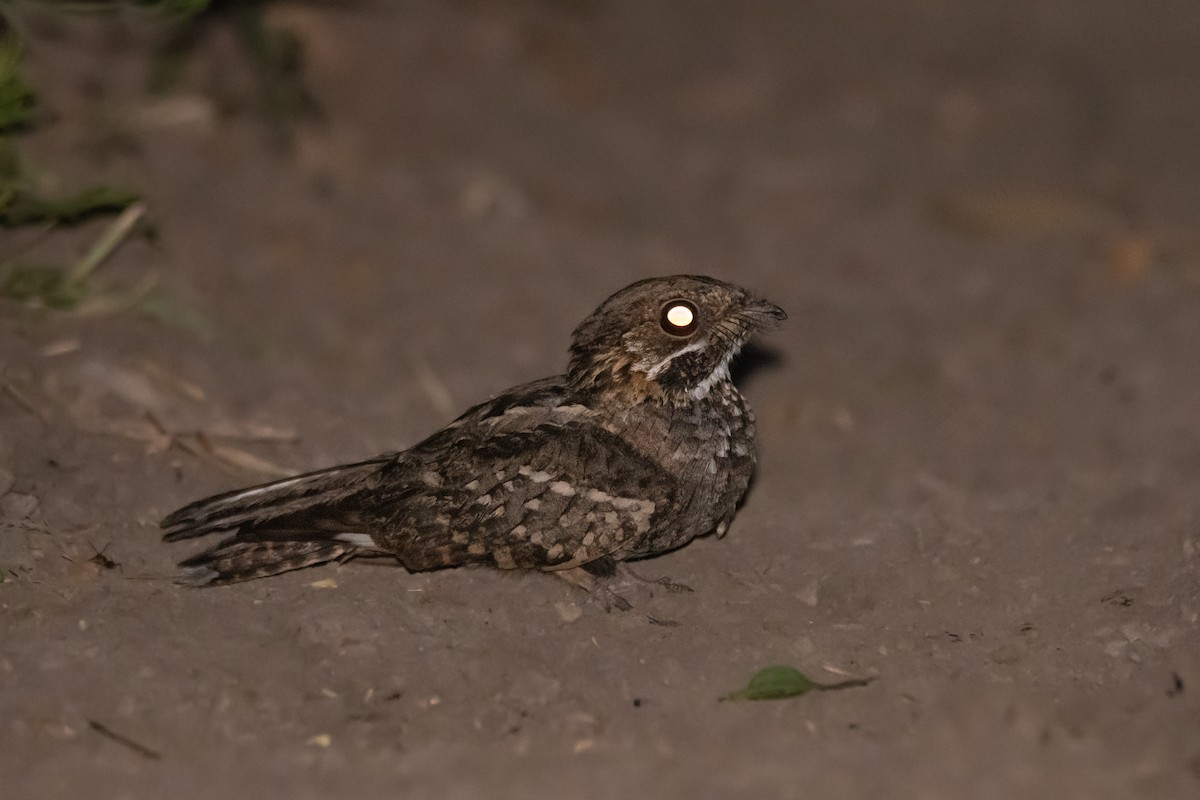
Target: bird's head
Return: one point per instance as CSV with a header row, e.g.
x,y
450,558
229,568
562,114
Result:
x,y
667,339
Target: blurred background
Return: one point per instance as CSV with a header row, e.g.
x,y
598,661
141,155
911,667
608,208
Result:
x,y
240,239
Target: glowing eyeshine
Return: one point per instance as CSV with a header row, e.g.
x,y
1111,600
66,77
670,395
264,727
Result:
x,y
680,316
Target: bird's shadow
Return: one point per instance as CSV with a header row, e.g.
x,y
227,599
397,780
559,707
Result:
x,y
753,358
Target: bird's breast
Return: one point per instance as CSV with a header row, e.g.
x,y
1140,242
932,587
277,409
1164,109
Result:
x,y
704,445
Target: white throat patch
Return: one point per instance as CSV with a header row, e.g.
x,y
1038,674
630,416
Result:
x,y
700,390
652,370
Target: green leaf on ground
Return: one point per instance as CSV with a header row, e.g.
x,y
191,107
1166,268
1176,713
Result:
x,y
176,8
779,682
21,207
42,284
17,98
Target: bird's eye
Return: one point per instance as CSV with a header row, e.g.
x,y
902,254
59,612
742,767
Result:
x,y
679,318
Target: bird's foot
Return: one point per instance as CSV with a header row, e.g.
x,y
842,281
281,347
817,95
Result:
x,y
600,588
608,583
628,577
610,599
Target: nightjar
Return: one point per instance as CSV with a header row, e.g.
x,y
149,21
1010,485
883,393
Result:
x,y
643,444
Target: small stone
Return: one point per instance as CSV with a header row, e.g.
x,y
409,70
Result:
x,y
808,595
1115,648
568,612
6,481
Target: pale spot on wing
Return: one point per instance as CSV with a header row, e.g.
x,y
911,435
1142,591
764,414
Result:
x,y
629,503
356,539
537,476
572,410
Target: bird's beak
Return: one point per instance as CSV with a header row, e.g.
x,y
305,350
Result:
x,y
762,314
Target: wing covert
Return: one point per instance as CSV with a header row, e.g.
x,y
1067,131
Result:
x,y
550,496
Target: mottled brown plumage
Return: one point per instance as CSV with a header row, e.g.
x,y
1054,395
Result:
x,y
642,445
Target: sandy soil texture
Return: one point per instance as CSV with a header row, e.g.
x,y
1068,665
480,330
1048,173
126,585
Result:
x,y
980,471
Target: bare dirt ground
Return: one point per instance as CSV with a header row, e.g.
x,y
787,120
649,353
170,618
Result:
x,y
980,471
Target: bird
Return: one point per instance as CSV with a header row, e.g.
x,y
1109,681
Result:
x,y
643,444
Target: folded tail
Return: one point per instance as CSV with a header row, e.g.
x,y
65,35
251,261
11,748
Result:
x,y
280,526
236,561
260,504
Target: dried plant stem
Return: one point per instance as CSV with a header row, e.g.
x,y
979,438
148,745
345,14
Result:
x,y
114,235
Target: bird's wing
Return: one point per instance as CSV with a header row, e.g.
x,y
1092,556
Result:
x,y
325,499
528,479
525,491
